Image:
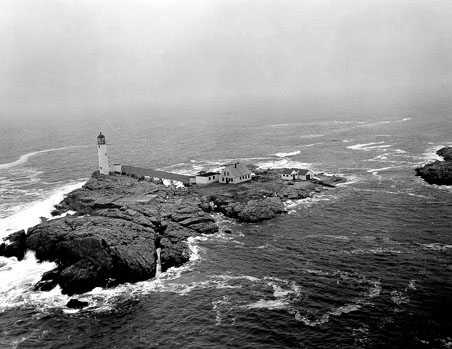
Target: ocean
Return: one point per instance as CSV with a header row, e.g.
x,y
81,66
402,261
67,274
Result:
x,y
363,265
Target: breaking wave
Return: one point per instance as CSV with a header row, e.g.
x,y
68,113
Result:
x,y
28,215
282,163
369,146
293,153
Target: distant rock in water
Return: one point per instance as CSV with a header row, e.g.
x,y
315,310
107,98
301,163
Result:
x,y
438,172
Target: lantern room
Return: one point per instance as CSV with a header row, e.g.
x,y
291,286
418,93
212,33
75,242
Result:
x,y
100,139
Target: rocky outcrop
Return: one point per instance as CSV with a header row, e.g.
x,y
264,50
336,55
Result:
x,y
94,251
438,172
445,153
251,211
119,222
113,236
14,245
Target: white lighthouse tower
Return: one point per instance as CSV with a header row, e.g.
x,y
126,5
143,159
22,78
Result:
x,y
104,168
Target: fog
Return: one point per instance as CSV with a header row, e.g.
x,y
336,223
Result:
x,y
80,56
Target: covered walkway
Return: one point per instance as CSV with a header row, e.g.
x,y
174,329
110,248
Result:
x,y
139,171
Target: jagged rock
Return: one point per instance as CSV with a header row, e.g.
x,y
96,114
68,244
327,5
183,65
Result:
x,y
76,304
438,172
14,245
46,285
188,213
49,280
112,237
252,211
291,192
119,221
259,210
445,153
92,250
174,249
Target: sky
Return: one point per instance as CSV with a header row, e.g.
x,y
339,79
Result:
x,y
80,55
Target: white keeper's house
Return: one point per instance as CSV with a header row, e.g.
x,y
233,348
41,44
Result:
x,y
292,174
235,173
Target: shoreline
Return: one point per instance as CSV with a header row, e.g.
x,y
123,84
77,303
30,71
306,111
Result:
x,y
120,222
440,171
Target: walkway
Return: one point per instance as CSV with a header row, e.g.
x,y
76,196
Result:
x,y
139,171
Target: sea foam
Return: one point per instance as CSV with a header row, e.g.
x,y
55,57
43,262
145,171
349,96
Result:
x,y
293,153
29,215
369,146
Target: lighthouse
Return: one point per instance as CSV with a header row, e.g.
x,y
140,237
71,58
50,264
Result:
x,y
104,168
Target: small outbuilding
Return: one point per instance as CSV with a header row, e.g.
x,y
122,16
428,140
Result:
x,y
235,173
207,177
292,174
116,168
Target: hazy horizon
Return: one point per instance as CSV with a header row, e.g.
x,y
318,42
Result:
x,y
97,55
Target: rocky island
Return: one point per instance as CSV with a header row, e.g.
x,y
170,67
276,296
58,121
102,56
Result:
x,y
114,225
438,172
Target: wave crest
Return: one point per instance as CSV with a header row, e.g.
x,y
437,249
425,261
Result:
x,y
24,158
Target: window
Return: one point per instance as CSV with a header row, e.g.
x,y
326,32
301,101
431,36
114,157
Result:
x,y
209,178
232,179
213,177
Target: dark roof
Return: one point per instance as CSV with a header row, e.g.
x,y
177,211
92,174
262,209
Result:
x,y
207,174
287,171
101,135
303,172
237,170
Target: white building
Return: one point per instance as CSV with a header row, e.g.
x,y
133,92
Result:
x,y
235,173
116,168
102,153
292,174
207,177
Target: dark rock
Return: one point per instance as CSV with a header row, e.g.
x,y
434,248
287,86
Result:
x,y
189,213
445,153
259,210
174,249
112,238
92,250
120,221
76,304
438,172
14,245
252,211
45,285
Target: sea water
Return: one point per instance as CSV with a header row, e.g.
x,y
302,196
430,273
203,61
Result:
x,y
367,264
